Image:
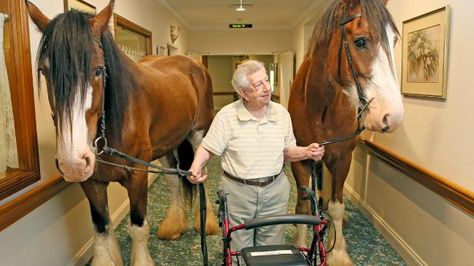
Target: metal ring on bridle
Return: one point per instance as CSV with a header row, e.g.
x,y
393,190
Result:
x,y
96,146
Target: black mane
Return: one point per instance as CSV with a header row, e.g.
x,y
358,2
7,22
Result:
x,y
374,11
67,44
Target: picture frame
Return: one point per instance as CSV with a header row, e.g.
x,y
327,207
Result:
x,y
79,5
425,54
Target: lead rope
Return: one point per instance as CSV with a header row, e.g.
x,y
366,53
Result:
x,y
100,146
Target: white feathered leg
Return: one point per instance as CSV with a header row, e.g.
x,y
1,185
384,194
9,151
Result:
x,y
140,254
106,250
338,256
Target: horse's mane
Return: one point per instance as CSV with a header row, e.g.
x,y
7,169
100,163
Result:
x,y
68,42
374,11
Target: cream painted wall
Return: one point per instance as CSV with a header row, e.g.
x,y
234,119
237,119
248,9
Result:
x,y
239,42
425,228
221,68
436,134
59,232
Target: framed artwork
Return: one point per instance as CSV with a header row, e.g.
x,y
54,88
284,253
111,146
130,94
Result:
x,y
425,54
80,6
133,39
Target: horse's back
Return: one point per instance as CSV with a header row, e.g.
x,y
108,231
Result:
x,y
190,78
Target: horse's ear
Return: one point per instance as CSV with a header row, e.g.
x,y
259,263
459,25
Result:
x,y
100,22
385,2
37,16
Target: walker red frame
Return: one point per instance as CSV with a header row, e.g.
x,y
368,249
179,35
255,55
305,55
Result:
x,y
315,255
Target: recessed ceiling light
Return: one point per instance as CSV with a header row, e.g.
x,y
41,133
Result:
x,y
240,8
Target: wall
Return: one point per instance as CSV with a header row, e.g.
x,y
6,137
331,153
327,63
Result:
x,y
237,42
221,68
436,135
59,232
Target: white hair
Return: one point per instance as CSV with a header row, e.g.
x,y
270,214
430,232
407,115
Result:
x,y
240,77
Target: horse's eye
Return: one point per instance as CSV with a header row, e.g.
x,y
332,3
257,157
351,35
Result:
x,y
360,42
98,71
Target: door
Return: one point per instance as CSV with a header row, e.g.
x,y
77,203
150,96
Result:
x,y
286,62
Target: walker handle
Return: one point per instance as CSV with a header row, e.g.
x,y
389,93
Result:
x,y
282,219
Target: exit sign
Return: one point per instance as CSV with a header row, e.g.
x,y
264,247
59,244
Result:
x,y
240,26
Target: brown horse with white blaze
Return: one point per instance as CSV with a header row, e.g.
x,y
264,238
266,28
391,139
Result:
x,y
348,72
148,110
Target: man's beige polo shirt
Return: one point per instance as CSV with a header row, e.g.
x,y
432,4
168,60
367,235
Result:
x,y
250,148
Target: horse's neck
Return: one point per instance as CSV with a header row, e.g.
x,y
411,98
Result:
x,y
323,95
318,90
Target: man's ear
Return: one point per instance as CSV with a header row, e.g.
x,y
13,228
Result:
x,y
242,94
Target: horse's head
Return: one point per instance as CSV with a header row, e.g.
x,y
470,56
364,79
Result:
x,y
72,61
360,59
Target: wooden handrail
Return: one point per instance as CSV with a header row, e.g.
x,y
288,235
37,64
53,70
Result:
x,y
456,194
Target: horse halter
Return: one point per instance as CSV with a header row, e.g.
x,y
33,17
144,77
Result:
x,y
363,101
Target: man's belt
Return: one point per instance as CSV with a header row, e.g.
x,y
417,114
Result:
x,y
259,182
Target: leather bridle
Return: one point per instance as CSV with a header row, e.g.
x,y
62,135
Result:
x,y
363,101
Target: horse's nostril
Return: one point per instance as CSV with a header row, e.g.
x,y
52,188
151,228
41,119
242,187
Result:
x,y
386,123
88,160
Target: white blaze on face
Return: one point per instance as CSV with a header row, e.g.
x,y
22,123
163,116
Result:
x,y
74,155
386,109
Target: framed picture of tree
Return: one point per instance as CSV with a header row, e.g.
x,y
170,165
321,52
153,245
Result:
x,y
425,54
79,5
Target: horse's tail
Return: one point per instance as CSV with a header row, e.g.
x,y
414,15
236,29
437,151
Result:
x,y
185,157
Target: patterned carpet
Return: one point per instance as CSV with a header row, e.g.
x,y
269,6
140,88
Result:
x,y
365,245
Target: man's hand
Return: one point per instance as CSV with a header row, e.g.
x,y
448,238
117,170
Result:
x,y
196,176
315,152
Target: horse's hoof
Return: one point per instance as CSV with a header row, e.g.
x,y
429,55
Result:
x,y
172,227
338,258
162,234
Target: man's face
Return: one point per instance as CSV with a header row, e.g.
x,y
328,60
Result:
x,y
259,92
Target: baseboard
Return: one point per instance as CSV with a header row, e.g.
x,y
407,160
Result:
x,y
395,240
84,255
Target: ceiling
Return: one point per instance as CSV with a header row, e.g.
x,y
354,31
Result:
x,y
263,14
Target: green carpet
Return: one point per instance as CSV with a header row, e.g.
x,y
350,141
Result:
x,y
365,245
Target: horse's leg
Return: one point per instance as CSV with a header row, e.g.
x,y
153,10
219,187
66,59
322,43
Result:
x,y
137,188
175,222
212,228
302,173
339,170
106,250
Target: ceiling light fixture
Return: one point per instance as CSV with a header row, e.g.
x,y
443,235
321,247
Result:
x,y
240,8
